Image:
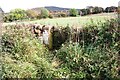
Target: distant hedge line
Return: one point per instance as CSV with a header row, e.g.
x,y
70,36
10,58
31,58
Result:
x,y
20,14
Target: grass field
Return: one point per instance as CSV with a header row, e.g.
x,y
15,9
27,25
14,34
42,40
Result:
x,y
77,21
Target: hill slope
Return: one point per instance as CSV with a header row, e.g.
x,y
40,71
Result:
x,y
52,8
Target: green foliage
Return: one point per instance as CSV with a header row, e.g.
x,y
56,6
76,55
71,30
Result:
x,y
102,34
31,14
62,14
5,18
110,9
95,56
97,10
85,12
77,21
18,69
89,62
24,56
60,36
44,13
73,12
18,14
51,16
91,10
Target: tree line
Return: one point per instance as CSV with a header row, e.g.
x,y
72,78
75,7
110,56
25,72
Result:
x,y
20,14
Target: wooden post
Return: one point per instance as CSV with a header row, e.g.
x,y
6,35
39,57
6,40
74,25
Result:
x,y
50,39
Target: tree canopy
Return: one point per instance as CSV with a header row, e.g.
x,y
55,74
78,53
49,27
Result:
x,y
73,12
44,13
17,14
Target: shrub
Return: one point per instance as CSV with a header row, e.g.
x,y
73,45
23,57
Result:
x,y
102,34
51,16
24,56
84,12
44,13
5,18
88,63
110,9
31,14
95,56
18,14
73,12
59,36
62,14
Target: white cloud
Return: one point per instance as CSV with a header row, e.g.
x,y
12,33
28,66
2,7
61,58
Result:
x,y
7,5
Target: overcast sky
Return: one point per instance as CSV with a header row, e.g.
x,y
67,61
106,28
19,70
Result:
x,y
7,5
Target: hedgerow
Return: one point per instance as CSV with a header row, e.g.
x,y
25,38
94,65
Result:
x,y
93,56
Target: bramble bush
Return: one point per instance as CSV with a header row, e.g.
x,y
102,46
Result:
x,y
88,63
95,56
23,55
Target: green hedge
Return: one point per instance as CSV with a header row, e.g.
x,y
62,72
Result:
x,y
93,56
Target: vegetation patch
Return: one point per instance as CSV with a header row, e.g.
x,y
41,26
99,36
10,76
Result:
x,y
94,55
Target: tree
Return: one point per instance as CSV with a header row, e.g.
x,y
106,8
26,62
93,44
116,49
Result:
x,y
90,8
84,12
101,9
73,12
17,14
31,14
111,9
96,10
44,13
